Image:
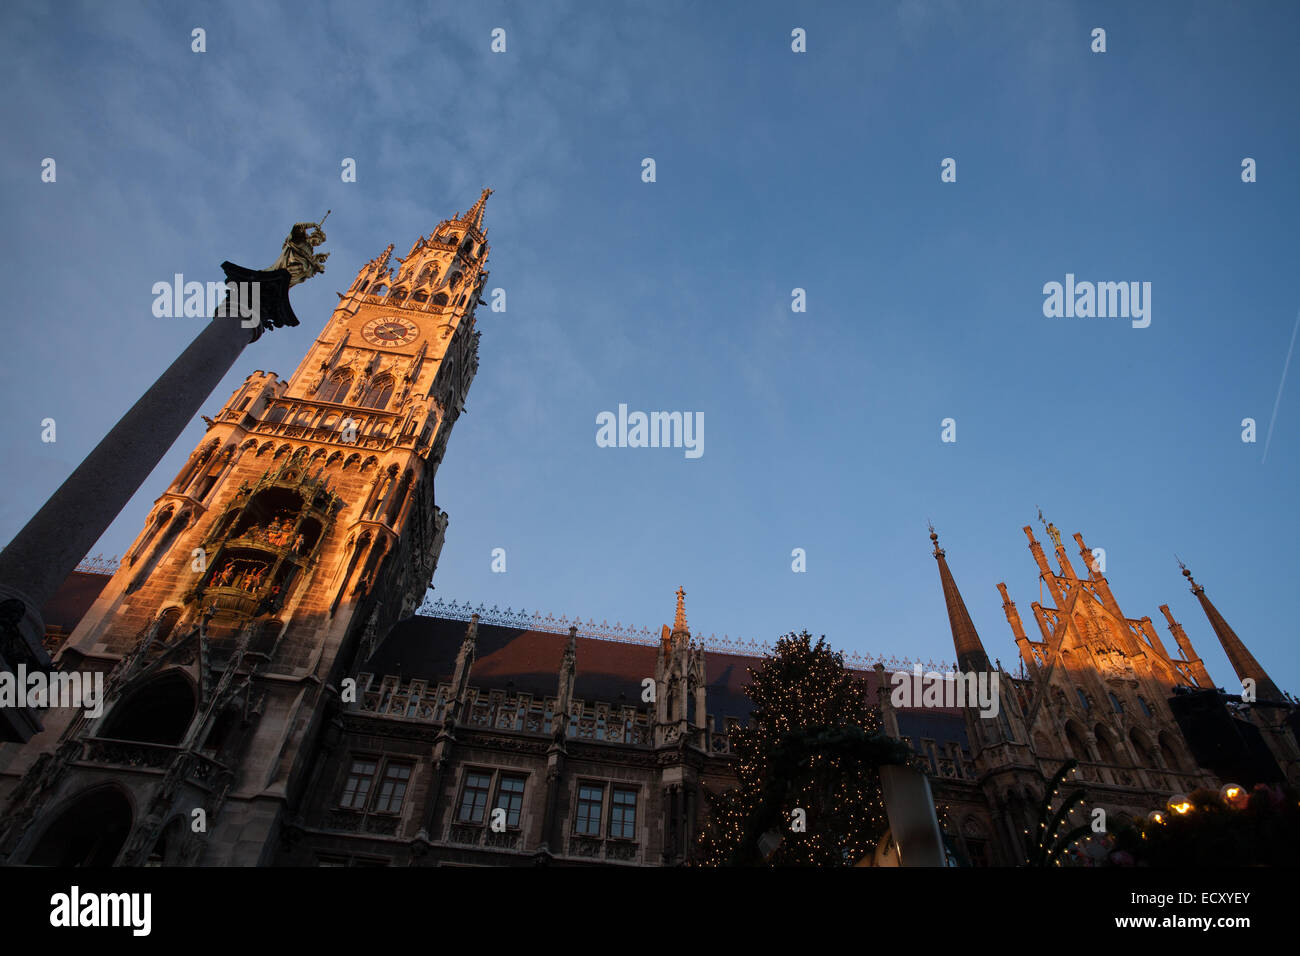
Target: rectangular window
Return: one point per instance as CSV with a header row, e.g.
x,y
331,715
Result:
x,y
591,804
510,798
622,815
357,788
392,788
473,799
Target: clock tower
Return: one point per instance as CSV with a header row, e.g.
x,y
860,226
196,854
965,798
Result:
x,y
302,527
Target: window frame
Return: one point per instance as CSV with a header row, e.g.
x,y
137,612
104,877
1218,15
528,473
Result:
x,y
330,387
501,778
359,807
614,808
404,782
579,802
471,772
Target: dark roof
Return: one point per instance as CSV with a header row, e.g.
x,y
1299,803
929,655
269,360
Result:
x,y
529,662
73,599
942,726
425,648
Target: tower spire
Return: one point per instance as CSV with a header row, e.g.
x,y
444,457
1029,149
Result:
x,y
1243,661
1189,653
970,652
679,620
475,216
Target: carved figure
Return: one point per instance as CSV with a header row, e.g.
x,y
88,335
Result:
x,y
299,256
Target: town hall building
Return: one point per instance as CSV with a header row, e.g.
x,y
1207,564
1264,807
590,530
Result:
x,y
280,692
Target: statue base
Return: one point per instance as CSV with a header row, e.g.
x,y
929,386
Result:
x,y
271,307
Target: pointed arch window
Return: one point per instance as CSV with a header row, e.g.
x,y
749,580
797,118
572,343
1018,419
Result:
x,y
1104,750
336,389
378,394
166,624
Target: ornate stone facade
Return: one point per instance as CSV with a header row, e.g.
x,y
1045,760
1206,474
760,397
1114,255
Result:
x,y
268,679
303,525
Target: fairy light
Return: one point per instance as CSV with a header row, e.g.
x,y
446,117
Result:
x,y
1233,796
799,687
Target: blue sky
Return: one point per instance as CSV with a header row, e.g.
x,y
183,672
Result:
x,y
775,170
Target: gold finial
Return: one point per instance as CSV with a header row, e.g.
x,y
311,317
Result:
x,y
938,551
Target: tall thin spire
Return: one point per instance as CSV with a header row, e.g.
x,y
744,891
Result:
x,y
970,652
1185,645
1242,660
475,216
679,620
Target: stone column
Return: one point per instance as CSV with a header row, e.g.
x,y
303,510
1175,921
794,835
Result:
x,y
42,555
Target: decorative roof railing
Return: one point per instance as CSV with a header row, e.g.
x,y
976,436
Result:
x,y
99,565
628,634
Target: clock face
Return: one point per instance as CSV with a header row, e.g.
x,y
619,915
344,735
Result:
x,y
390,331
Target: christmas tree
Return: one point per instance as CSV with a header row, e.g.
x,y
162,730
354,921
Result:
x,y
808,767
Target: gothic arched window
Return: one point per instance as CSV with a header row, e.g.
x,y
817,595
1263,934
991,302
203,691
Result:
x,y
1168,751
440,299
166,623
1104,749
378,394
1142,747
1074,740
337,388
